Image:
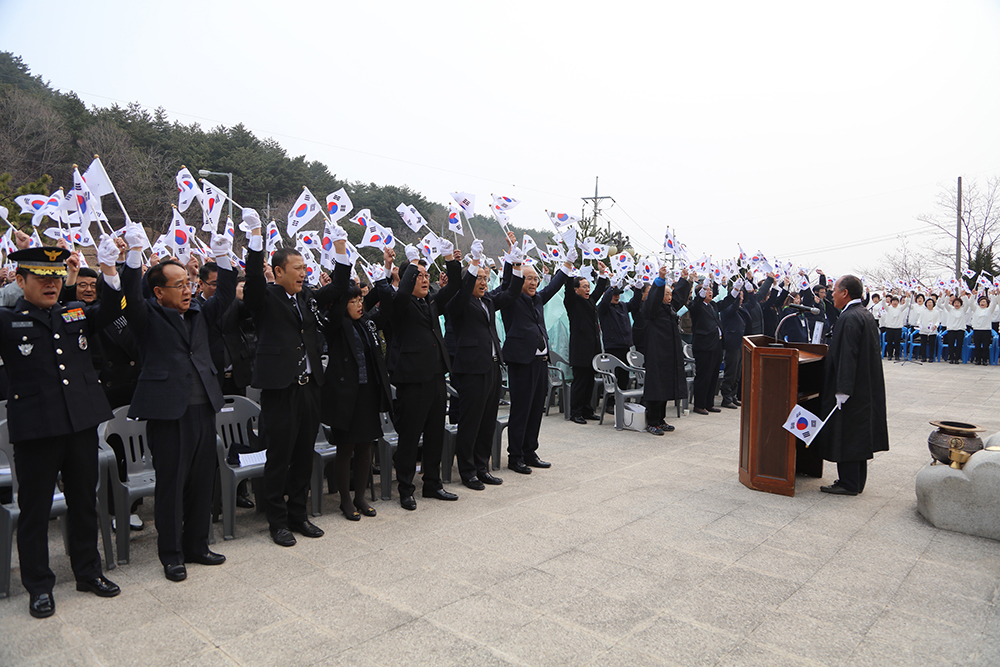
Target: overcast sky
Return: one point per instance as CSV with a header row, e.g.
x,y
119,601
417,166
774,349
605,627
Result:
x,y
811,131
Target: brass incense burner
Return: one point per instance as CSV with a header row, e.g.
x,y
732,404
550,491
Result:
x,y
953,436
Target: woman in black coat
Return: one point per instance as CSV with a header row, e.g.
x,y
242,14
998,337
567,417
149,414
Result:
x,y
355,391
665,380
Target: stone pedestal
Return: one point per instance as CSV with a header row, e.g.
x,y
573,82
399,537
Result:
x,y
967,500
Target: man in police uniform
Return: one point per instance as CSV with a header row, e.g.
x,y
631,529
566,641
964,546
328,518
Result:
x,y
55,406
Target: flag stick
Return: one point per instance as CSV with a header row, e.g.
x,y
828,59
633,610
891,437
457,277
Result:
x,y
114,191
469,223
76,168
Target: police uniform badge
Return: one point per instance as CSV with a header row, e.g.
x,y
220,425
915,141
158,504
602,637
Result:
x,y
25,348
83,342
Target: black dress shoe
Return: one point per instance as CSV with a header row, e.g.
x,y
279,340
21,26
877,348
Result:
x,y
366,510
536,462
99,586
440,494
737,402
713,409
283,537
407,503
487,478
593,417
175,572
244,502
517,465
474,484
700,411
578,420
351,513
306,528
207,558
837,490
42,605
729,404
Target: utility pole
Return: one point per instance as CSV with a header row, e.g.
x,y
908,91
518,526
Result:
x,y
597,204
958,233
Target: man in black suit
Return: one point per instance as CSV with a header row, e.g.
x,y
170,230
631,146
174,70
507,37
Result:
x,y
289,373
706,341
232,343
735,321
526,349
417,364
476,369
178,395
52,416
584,341
114,351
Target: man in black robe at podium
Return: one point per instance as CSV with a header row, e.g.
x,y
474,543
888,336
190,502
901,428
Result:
x,y
853,381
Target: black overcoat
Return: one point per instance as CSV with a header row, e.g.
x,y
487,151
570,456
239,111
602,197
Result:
x,y
854,367
664,363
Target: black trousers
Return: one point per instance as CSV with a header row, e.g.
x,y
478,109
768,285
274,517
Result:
x,y
289,422
420,409
982,339
706,375
582,391
38,463
853,475
955,340
479,399
656,412
893,343
184,460
733,357
528,386
928,346
621,374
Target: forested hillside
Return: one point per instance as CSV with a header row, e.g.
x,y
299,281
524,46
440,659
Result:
x,y
43,132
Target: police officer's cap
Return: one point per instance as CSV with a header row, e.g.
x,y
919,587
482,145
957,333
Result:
x,y
41,261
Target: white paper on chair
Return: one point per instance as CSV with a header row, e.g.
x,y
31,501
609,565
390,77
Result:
x,y
253,458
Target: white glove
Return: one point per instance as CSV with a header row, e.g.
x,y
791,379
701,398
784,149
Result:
x,y
515,255
841,399
571,255
446,248
220,245
251,218
135,237
412,254
107,251
378,273
617,281
338,233
477,249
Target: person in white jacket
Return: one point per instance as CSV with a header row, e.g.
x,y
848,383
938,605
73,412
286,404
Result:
x,y
913,314
954,320
895,314
930,318
982,326
877,309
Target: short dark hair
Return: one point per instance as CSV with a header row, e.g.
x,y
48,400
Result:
x,y
930,299
817,288
87,272
577,280
893,298
281,255
353,290
208,268
155,276
853,285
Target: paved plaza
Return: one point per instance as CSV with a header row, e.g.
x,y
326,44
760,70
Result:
x,y
631,550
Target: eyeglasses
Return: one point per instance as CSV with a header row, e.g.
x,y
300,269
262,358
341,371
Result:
x,y
184,285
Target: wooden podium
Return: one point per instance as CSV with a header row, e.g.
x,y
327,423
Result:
x,y
776,377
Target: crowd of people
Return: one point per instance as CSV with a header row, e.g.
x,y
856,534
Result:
x,y
171,338
933,321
